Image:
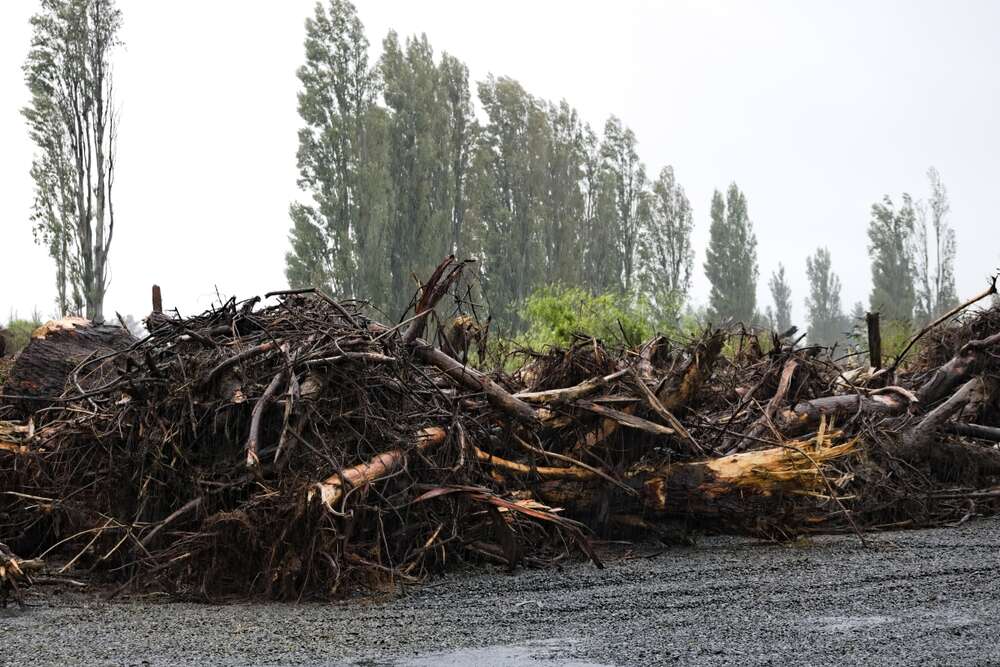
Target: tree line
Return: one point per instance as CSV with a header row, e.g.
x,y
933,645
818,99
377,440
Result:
x,y
400,169
403,160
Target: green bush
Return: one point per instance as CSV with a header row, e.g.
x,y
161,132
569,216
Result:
x,y
555,313
19,333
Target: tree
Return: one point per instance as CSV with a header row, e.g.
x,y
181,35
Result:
x,y
934,267
665,251
731,259
513,157
601,257
421,216
332,234
781,294
827,323
890,248
628,175
73,123
563,200
307,264
461,135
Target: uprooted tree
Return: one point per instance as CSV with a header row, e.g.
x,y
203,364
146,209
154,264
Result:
x,y
305,448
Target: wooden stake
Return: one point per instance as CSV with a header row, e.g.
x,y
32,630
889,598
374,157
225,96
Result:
x,y
874,340
157,300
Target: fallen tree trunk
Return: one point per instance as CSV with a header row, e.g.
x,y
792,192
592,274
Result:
x,y
737,490
888,402
45,369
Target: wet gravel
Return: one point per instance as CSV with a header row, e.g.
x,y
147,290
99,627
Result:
x,y
928,597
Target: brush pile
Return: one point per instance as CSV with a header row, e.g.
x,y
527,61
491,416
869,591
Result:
x,y
306,449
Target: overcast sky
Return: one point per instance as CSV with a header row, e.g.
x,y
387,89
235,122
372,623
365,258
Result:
x,y
815,109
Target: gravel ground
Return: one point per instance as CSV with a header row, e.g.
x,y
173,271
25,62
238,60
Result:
x,y
927,597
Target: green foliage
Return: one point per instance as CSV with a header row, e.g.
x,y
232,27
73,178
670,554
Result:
x,y
513,154
554,314
73,123
827,323
19,330
340,161
890,235
731,259
398,172
895,335
666,257
780,318
628,179
934,254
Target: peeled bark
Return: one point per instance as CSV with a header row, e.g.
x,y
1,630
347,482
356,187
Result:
x,y
44,370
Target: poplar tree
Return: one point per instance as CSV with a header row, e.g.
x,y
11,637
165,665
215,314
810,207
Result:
x,y
890,234
334,156
934,254
563,200
601,257
731,259
781,294
827,323
73,123
514,154
665,251
628,175
461,130
421,217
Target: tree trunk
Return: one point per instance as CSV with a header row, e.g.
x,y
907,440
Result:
x,y
45,368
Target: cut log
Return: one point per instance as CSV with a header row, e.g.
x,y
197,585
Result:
x,y
332,489
43,369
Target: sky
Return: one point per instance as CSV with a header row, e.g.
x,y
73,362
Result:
x,y
815,109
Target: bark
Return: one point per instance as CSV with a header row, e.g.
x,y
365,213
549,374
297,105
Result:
x,y
735,490
807,414
332,490
942,383
959,369
45,368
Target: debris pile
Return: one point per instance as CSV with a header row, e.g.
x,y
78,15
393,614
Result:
x,y
306,449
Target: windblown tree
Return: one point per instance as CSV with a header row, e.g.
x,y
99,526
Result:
x,y
73,123
514,153
461,132
627,173
890,234
331,235
421,220
781,294
601,259
827,323
563,200
665,251
731,259
934,254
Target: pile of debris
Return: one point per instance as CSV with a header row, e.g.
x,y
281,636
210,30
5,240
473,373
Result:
x,y
306,449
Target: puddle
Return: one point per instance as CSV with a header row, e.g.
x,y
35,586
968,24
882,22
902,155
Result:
x,y
851,623
545,653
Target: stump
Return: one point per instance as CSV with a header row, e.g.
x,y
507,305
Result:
x,y
42,370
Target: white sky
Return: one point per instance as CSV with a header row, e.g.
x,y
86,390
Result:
x,y
815,109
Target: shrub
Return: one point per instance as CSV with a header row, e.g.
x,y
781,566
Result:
x,y
19,333
555,313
